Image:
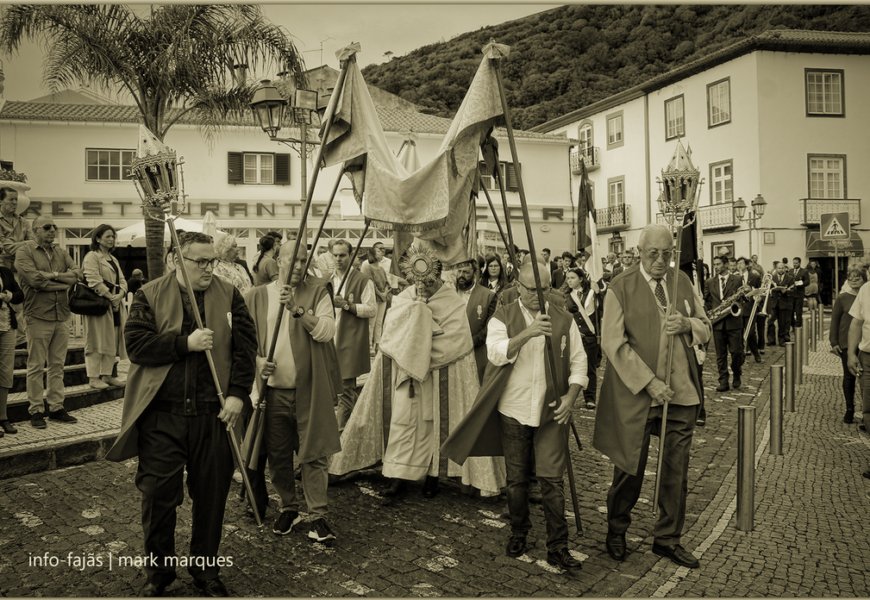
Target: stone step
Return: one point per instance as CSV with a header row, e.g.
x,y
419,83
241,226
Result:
x,y
74,356
76,396
72,375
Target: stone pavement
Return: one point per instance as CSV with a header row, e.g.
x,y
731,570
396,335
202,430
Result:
x,y
810,537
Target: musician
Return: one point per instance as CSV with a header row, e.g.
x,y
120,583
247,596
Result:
x,y
634,391
727,332
779,306
752,280
801,281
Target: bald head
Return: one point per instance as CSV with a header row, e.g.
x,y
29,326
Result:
x,y
527,275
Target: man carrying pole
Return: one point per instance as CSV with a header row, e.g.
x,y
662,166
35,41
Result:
x,y
634,391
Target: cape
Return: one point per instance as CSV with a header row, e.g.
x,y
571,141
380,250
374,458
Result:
x,y
352,334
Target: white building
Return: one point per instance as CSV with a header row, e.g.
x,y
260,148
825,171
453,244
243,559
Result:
x,y
74,156
782,114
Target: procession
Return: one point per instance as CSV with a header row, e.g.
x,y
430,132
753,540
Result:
x,y
421,389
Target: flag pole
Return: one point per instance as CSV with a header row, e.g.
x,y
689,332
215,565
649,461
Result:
x,y
353,258
490,141
256,419
323,220
492,209
551,359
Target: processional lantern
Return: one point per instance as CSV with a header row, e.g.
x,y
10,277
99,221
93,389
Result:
x,y
679,188
271,99
156,173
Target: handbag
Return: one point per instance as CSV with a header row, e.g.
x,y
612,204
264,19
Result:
x,y
85,301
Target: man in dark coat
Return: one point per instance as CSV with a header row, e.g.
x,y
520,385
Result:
x,y
801,280
634,390
750,279
173,419
727,332
480,304
779,307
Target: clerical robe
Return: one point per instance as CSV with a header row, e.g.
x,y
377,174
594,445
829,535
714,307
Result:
x,y
426,347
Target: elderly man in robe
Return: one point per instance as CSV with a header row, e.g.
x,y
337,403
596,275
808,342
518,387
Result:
x,y
634,391
426,360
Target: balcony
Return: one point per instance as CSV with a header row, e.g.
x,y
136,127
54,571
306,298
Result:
x,y
590,156
811,210
718,217
613,218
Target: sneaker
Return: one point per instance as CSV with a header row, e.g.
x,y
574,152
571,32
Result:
x,y
37,421
286,521
320,531
113,381
62,416
98,384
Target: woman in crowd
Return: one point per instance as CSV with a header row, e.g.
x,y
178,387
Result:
x,y
226,268
375,272
812,291
10,293
265,268
838,333
105,333
493,275
583,307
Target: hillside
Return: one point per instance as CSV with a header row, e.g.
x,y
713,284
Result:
x,y
571,56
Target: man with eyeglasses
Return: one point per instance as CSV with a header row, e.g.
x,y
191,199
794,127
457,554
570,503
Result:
x,y
634,391
46,274
173,419
522,409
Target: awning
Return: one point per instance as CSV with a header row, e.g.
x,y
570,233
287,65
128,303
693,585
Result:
x,y
819,248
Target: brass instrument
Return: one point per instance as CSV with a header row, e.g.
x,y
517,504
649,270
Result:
x,y
730,306
766,286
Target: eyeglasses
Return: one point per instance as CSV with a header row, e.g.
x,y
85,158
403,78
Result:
x,y
49,227
667,255
543,289
204,263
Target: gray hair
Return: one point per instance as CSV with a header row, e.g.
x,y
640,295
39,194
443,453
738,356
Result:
x,y
653,230
224,244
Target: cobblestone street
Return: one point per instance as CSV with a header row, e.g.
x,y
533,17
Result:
x,y
63,532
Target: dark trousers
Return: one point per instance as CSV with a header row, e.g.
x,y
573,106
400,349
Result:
x,y
781,318
848,382
798,317
864,359
752,340
518,441
167,444
760,332
257,477
625,489
593,359
728,340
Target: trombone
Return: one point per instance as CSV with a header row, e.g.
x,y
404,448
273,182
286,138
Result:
x,y
766,286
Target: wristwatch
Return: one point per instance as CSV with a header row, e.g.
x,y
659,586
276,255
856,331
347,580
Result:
x,y
299,312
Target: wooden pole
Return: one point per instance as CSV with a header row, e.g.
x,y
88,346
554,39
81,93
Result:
x,y
494,216
323,220
507,212
352,258
551,359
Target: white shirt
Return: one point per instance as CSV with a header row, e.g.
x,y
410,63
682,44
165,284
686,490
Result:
x,y
527,385
284,376
366,310
861,310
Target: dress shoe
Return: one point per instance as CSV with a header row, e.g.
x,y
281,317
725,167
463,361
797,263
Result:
x,y
213,588
615,543
677,554
62,416
562,558
7,426
758,358
516,545
430,487
153,590
723,388
736,384
849,417
397,488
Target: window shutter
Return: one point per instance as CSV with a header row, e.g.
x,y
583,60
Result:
x,y
235,171
513,183
282,169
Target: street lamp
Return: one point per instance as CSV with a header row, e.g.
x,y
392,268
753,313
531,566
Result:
x,y
269,107
758,205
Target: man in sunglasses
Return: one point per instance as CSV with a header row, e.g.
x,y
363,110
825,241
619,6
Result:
x,y
173,416
46,274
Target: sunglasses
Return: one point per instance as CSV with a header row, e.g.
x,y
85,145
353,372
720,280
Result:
x,y
49,227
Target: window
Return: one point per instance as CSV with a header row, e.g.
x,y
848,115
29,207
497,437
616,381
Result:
x,y
614,130
616,191
105,164
508,172
827,176
719,103
258,168
5,165
675,120
722,182
585,137
488,181
825,93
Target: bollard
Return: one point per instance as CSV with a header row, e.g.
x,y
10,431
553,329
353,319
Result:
x,y
746,468
789,376
798,356
821,321
805,358
812,331
776,409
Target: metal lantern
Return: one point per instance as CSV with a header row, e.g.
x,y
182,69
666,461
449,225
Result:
x,y
156,171
268,106
679,187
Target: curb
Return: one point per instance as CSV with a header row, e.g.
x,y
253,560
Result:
x,y
56,456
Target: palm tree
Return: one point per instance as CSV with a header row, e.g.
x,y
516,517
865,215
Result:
x,y
174,60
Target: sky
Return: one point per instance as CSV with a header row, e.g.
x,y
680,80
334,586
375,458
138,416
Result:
x,y
378,28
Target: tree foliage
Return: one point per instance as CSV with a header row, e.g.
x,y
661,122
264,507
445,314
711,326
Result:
x,y
571,56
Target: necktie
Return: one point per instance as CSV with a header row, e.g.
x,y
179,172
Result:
x,y
722,287
660,294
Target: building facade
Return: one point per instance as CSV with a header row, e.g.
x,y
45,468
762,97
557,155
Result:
x,y
780,114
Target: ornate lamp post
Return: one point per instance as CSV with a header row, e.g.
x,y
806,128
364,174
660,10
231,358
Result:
x,y
758,206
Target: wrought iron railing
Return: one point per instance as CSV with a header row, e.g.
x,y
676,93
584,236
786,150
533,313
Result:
x,y
589,155
613,218
811,209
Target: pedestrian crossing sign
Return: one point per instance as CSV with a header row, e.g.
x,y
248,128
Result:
x,y
835,226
